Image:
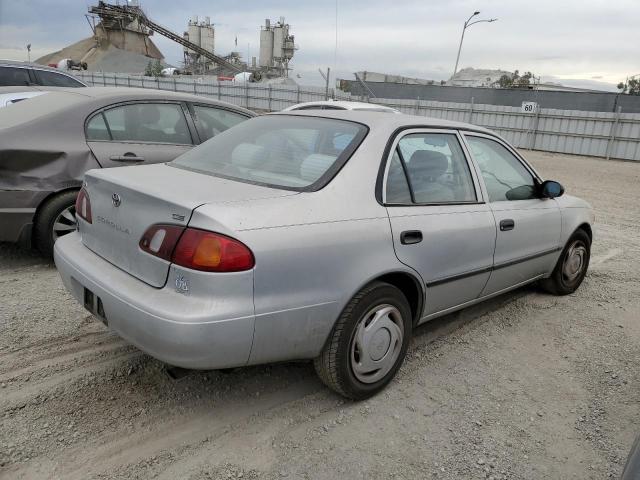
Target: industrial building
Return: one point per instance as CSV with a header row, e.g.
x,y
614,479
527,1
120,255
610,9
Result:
x,y
121,43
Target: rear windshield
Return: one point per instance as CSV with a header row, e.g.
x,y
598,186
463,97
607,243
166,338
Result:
x,y
291,152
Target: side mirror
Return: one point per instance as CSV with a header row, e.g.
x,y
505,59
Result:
x,y
551,189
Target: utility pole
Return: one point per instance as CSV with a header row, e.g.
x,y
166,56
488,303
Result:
x,y
326,82
466,25
29,52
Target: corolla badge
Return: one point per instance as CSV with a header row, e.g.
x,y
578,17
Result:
x,y
116,200
182,284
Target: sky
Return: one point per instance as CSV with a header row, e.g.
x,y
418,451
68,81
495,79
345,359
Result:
x,y
585,43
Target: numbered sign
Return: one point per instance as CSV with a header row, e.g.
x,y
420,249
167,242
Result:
x,y
529,107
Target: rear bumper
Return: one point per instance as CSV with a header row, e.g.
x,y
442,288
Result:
x,y
203,330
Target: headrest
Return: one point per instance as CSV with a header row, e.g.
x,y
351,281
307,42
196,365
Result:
x,y
428,163
315,165
247,155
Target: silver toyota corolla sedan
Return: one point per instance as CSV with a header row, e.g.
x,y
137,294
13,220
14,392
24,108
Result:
x,y
317,235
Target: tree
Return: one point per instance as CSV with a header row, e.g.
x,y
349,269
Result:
x,y
515,80
154,69
631,87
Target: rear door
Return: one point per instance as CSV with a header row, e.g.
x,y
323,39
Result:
x,y
139,133
529,227
440,223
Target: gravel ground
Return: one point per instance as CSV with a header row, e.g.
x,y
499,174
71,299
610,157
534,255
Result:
x,y
526,386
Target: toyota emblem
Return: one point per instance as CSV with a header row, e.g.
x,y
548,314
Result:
x,y
116,200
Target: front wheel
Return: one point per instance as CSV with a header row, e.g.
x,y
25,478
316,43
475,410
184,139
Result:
x,y
368,343
571,267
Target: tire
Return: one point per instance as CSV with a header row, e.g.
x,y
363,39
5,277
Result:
x,y
59,209
349,361
571,267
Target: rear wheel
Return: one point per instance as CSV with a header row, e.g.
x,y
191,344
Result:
x,y
368,343
55,219
571,267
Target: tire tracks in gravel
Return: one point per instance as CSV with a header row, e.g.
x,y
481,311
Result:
x,y
164,433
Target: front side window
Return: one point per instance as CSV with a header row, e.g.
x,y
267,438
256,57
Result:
x,y
505,177
146,122
10,76
435,170
53,79
211,121
278,150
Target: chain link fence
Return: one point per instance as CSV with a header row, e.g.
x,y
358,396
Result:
x,y
600,134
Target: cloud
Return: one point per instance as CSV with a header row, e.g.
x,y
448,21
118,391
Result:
x,y
572,39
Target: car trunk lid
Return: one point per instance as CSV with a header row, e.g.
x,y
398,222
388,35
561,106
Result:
x,y
126,201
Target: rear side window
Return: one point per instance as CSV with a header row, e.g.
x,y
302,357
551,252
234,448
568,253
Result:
x,y
211,121
97,128
434,168
141,122
54,79
296,153
10,76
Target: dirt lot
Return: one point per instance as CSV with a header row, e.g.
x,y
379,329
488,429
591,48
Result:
x,y
527,386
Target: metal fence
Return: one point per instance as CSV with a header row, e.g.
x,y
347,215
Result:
x,y
600,134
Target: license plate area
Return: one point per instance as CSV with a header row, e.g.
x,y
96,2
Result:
x,y
93,303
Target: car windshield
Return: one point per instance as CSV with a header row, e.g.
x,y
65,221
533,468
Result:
x,y
291,152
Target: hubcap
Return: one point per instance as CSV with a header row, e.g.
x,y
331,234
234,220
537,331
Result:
x,y
574,261
376,344
64,223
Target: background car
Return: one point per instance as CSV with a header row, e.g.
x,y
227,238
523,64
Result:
x,y
14,73
317,235
340,105
632,466
47,144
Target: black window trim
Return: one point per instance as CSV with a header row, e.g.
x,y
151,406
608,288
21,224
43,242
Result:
x,y
181,103
392,145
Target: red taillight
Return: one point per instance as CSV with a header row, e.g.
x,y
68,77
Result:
x,y
160,240
212,252
197,249
83,205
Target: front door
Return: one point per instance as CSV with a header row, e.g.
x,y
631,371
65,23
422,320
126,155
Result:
x,y
139,133
528,227
441,227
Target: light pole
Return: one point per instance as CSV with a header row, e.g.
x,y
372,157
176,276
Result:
x,y
467,24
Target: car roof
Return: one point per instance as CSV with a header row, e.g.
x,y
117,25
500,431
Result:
x,y
124,94
66,99
17,63
343,104
373,120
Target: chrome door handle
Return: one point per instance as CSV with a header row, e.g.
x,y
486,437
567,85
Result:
x,y
127,157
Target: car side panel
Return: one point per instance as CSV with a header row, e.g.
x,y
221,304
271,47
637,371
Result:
x,y
304,277
574,212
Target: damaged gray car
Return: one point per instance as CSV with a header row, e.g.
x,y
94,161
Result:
x,y
47,144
